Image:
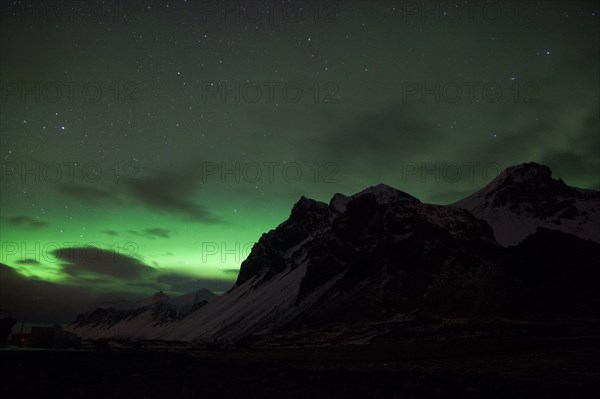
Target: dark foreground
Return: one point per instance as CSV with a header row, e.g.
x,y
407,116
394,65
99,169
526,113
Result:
x,y
465,367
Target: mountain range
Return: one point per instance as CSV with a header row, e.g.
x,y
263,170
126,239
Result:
x,y
135,318
524,247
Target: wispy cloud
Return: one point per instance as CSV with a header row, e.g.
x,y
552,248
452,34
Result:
x,y
26,222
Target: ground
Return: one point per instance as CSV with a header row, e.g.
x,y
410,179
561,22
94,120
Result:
x,y
555,364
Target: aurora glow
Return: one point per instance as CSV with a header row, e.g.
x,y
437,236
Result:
x,y
161,168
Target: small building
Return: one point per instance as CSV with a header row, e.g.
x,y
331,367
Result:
x,y
20,339
46,337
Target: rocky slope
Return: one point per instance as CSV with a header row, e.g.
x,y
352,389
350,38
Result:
x,y
138,318
526,197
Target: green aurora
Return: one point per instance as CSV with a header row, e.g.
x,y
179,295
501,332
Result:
x,y
177,183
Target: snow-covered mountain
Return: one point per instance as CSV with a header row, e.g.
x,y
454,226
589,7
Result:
x,y
349,251
137,318
525,197
382,255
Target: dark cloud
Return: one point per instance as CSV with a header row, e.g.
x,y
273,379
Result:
x,y
158,232
111,232
99,262
31,299
170,192
26,223
28,262
90,195
395,129
167,191
153,233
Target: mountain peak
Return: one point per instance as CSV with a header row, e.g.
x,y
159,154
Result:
x,y
338,202
385,193
382,192
381,187
204,294
530,172
524,197
160,296
306,205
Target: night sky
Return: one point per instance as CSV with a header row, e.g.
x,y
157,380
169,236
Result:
x,y
146,147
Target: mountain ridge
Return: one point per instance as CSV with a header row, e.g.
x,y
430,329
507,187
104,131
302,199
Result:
x,y
381,254
525,197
